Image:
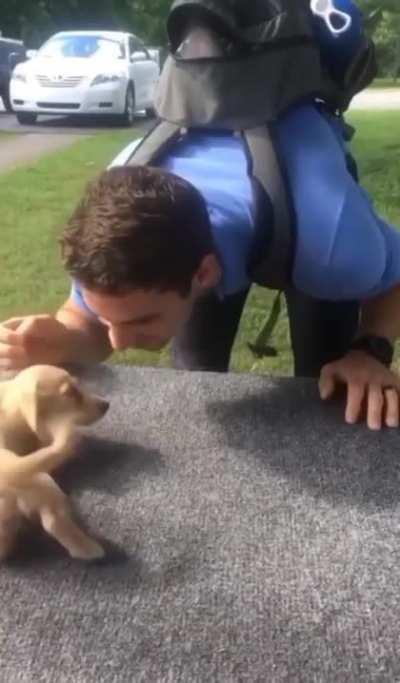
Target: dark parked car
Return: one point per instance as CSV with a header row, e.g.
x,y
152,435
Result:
x,y
11,52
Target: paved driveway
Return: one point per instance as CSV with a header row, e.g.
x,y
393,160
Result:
x,y
52,133
387,98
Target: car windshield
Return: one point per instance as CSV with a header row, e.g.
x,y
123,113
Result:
x,y
86,46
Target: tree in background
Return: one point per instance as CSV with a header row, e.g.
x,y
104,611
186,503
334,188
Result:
x,y
36,20
384,21
388,44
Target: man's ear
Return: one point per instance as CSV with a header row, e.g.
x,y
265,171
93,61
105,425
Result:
x,y
208,274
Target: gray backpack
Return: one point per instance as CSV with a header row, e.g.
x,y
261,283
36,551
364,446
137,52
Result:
x,y
272,61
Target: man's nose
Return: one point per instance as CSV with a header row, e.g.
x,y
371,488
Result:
x,y
120,340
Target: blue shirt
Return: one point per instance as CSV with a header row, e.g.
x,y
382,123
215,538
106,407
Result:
x,y
216,164
343,249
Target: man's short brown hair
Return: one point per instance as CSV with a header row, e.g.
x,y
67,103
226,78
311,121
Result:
x,y
137,227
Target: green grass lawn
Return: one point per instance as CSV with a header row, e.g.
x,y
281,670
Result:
x,y
37,200
385,83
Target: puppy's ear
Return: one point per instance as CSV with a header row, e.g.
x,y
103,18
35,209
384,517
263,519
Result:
x,y
30,410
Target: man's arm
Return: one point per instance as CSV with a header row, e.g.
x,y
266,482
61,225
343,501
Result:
x,y
381,316
69,336
88,338
370,385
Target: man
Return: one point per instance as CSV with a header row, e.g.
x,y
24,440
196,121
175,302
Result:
x,y
152,259
146,269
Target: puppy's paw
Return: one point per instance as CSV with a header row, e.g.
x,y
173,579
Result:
x,y
89,552
8,545
6,550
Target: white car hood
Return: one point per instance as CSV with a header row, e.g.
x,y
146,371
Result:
x,y
70,67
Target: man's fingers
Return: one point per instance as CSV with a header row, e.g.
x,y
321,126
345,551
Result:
x,y
18,334
394,381
12,351
12,357
9,337
392,408
326,383
12,323
15,330
375,406
28,326
355,397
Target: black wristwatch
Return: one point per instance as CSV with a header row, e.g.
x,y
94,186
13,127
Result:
x,y
378,347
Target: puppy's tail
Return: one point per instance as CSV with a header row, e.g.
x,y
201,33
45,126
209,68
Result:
x,y
17,471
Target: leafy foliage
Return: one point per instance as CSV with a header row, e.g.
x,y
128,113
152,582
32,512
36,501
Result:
x,y
35,20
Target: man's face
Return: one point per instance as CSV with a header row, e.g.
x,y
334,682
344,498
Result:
x,y
149,319
140,319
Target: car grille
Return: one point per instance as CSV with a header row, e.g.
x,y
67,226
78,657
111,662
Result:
x,y
59,81
58,105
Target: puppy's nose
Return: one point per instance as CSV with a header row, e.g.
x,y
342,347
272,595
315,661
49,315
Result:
x,y
104,406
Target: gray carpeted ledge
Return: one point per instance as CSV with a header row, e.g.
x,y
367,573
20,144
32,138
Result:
x,y
253,536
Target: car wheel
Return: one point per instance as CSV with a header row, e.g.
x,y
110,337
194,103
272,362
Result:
x,y
26,117
128,117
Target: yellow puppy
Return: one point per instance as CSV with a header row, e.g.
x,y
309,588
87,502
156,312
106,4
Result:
x,y
39,410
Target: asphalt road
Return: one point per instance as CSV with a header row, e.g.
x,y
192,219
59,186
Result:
x,y
54,132
67,124
386,98
369,99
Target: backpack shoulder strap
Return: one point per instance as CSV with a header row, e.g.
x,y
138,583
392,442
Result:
x,y
155,143
271,266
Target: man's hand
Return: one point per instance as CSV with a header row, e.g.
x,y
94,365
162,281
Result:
x,y
370,386
30,340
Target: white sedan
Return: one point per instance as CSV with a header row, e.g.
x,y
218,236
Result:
x,y
86,72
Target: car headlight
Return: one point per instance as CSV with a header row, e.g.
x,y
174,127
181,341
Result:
x,y
18,77
105,78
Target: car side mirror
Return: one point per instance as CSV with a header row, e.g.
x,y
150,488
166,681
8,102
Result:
x,y
138,56
15,58
154,53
